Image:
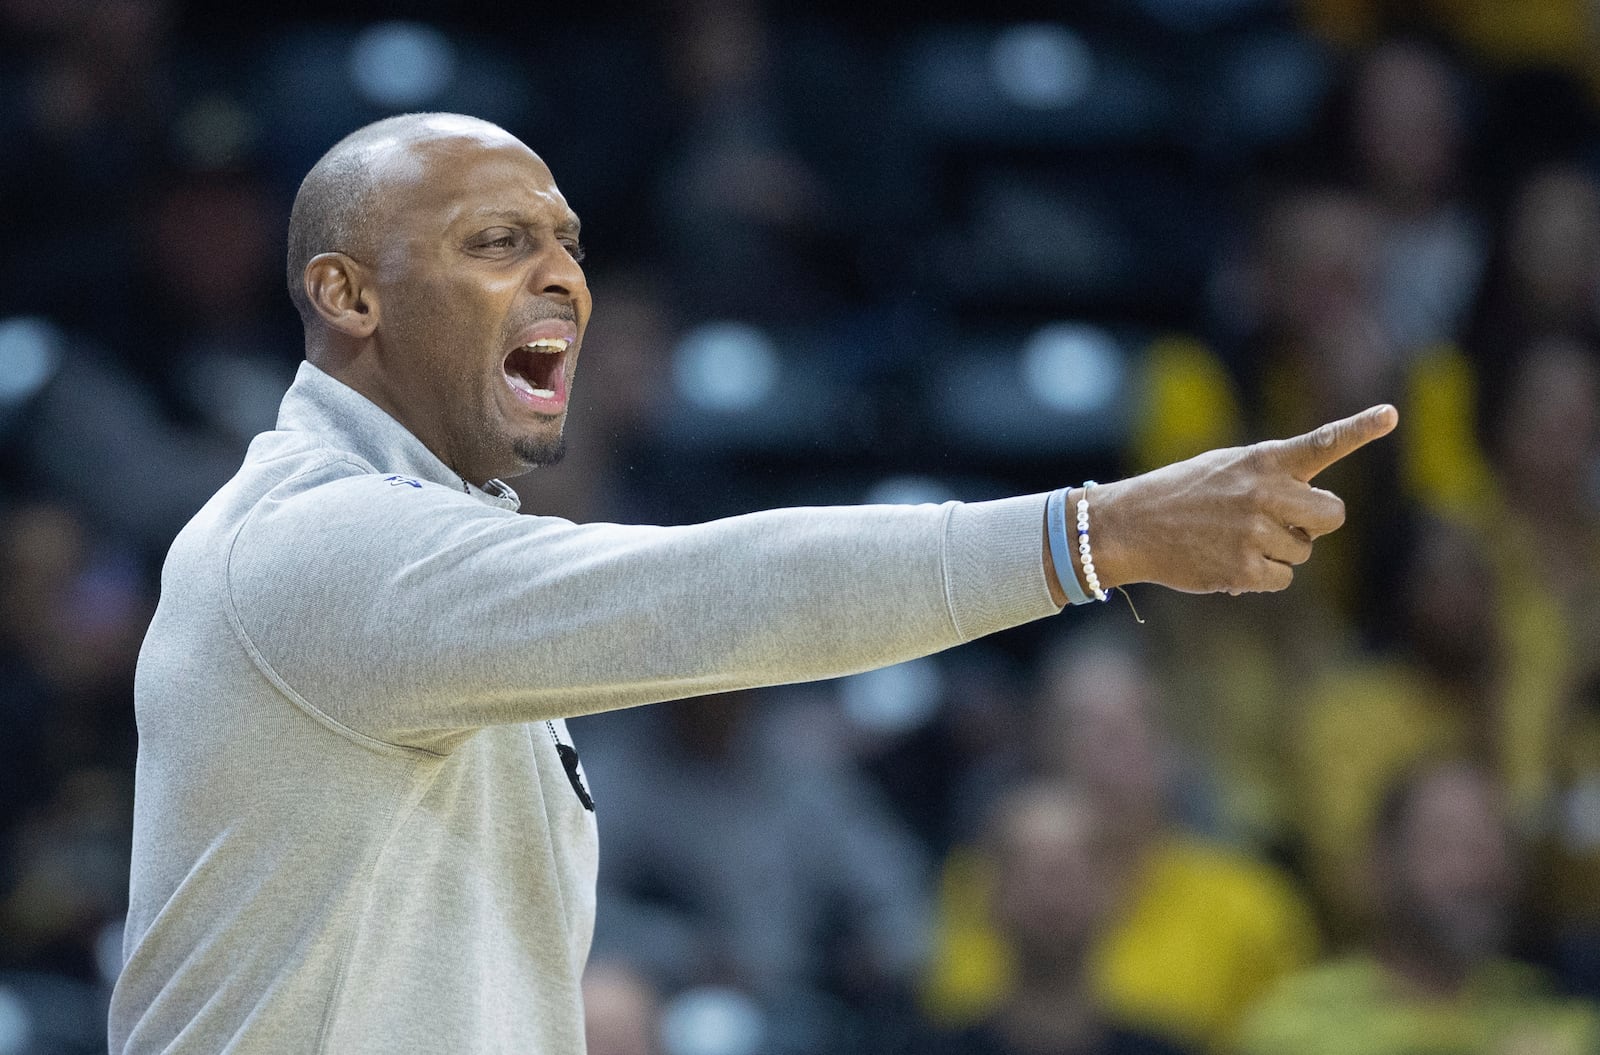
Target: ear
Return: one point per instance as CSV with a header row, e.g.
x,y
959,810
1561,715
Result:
x,y
338,289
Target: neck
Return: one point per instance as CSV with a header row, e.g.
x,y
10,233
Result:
x,y
1051,1013
1423,972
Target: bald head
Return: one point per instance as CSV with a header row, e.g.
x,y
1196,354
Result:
x,y
428,254
341,199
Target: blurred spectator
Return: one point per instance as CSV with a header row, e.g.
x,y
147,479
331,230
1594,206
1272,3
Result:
x,y
1197,931
742,859
1529,34
71,618
1320,335
1454,678
111,450
748,222
1545,279
1055,889
1566,911
1543,425
1321,351
71,878
1408,145
1542,295
82,116
215,324
622,1011
1544,441
1437,979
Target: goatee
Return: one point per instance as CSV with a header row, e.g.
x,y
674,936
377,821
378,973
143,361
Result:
x,y
539,453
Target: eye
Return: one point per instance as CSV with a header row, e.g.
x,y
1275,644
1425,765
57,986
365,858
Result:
x,y
498,238
576,251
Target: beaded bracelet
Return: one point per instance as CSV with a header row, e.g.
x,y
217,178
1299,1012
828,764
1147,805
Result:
x,y
1084,552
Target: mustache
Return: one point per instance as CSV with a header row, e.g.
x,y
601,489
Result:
x,y
545,310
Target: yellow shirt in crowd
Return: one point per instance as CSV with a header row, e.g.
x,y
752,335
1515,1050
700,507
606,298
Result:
x,y
1204,932
1353,1006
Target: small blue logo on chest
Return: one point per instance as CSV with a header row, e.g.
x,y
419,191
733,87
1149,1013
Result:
x,y
397,481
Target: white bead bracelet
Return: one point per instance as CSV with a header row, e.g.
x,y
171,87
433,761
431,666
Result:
x,y
1084,552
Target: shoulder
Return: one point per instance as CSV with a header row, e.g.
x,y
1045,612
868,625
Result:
x,y
1313,1002
1226,875
338,502
343,485
335,520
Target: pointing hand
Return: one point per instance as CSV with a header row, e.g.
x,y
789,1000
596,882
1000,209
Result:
x,y
1235,520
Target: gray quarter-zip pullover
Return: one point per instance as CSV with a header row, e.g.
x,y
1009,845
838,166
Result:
x,y
352,830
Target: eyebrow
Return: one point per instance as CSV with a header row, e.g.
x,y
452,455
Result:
x,y
569,224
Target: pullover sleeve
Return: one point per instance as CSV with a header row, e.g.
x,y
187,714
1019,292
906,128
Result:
x,y
410,616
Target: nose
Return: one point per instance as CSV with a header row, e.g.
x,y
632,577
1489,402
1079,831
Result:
x,y
558,274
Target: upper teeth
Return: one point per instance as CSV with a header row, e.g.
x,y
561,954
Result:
x,y
548,344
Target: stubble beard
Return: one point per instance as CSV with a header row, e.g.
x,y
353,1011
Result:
x,y
540,453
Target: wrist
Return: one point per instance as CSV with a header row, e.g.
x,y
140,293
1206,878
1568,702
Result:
x,y
1110,534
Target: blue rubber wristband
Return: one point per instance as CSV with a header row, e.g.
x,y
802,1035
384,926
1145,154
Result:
x,y
1055,516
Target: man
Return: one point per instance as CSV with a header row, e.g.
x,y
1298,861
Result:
x,y
1056,890
1200,930
359,823
1436,980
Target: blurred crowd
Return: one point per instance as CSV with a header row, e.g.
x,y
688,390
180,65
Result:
x,y
924,252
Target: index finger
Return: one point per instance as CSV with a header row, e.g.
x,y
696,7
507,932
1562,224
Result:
x,y
1305,456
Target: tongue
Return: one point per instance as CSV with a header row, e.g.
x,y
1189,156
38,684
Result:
x,y
531,372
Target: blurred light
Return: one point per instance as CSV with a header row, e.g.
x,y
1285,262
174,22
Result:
x,y
30,351
16,1027
236,391
1041,66
215,132
725,366
908,491
400,64
1581,815
712,1020
1072,368
893,699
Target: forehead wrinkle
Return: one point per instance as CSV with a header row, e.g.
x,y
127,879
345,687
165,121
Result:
x,y
569,221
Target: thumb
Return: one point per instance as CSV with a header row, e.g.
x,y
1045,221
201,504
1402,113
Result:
x,y
1305,456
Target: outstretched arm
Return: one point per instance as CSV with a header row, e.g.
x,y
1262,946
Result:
x,y
415,615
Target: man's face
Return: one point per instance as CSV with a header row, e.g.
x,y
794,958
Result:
x,y
1054,884
482,302
1455,877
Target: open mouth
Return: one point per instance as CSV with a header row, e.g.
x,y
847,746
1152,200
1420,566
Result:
x,y
535,370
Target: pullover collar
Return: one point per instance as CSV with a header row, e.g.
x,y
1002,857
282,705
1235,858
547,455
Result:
x,y
319,404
